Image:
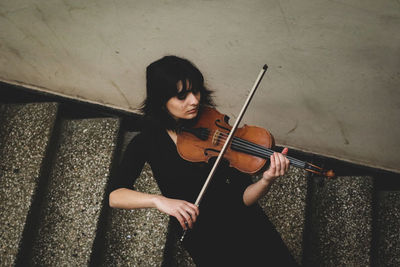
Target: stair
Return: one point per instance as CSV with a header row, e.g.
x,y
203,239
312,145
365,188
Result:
x,y
55,171
285,205
387,224
76,191
341,222
25,133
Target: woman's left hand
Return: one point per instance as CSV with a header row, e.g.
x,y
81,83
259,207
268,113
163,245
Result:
x,y
279,165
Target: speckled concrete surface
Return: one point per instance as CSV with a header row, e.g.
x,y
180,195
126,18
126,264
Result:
x,y
388,229
341,222
285,205
76,189
25,131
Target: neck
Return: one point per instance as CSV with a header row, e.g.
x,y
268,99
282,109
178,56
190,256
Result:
x,y
173,135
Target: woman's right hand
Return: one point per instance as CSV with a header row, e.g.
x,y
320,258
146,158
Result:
x,y
184,211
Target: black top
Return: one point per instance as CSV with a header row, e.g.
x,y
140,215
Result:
x,y
226,231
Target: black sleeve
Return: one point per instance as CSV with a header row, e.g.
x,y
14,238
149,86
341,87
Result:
x,y
131,164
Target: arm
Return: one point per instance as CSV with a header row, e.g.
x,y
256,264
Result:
x,y
184,211
125,198
279,165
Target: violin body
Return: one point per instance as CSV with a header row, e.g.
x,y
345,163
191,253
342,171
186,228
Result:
x,y
206,138
249,149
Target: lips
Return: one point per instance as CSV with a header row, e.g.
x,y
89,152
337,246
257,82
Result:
x,y
192,111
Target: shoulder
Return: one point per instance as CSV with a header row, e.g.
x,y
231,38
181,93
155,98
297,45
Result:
x,y
146,140
137,139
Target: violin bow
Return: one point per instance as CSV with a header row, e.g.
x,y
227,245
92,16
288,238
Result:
x,y
228,140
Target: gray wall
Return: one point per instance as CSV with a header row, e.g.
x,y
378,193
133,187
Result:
x,y
332,86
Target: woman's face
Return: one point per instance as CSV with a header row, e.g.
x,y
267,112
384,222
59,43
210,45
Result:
x,y
186,104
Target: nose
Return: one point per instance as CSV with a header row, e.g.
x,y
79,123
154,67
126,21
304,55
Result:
x,y
192,99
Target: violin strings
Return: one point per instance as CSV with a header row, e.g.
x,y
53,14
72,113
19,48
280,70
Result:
x,y
248,146
264,151
257,150
261,151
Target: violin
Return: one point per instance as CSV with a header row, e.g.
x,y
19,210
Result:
x,y
248,151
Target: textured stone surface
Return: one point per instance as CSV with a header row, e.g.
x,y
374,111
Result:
x,y
341,222
25,131
285,206
76,189
388,229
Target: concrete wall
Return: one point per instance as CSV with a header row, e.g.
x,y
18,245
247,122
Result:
x,y
332,86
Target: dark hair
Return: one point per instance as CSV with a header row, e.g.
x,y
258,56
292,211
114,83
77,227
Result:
x,y
162,77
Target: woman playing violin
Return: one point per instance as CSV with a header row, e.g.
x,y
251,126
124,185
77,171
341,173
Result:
x,y
228,228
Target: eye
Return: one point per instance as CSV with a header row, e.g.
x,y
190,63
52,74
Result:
x,y
195,90
182,94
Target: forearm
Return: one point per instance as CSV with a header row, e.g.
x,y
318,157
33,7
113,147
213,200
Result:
x,y
124,198
256,191
279,165
185,212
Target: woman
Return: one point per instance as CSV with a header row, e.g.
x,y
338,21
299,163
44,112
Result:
x,y
229,227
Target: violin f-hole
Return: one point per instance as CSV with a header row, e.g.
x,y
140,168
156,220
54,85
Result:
x,y
210,149
220,125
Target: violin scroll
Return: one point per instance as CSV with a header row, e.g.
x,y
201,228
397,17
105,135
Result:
x,y
319,171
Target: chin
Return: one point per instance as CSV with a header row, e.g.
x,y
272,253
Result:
x,y
192,116
190,120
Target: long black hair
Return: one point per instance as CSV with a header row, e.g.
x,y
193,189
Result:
x,y
162,77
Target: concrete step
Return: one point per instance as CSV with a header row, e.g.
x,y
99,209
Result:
x,y
285,205
340,222
387,230
76,190
25,133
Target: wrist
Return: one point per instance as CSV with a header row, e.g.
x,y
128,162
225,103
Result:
x,y
267,179
156,201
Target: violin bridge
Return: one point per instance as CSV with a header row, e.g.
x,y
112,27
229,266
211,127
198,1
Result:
x,y
215,139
